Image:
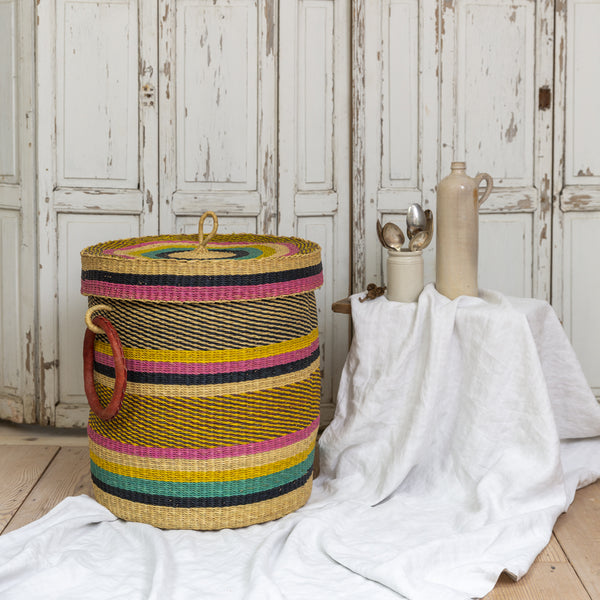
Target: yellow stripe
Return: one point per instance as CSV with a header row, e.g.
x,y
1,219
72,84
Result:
x,y
177,421
199,476
210,356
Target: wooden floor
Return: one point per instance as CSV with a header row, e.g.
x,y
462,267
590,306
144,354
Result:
x,y
39,468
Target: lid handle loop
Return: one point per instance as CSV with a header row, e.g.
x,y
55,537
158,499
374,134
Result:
x,y
202,241
201,250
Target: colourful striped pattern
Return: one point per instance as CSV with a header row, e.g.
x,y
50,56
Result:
x,y
130,478
161,292
205,517
238,267
203,490
142,360
211,421
218,423
227,326
220,453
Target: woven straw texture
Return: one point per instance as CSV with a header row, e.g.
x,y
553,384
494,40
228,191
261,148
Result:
x,y
234,267
218,423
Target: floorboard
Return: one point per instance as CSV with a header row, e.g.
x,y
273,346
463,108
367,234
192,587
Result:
x,y
18,433
578,532
550,577
35,478
67,475
20,469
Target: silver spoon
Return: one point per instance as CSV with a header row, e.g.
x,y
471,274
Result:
x,y
420,241
415,220
423,238
380,235
393,236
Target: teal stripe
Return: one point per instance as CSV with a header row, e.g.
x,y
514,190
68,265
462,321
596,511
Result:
x,y
209,489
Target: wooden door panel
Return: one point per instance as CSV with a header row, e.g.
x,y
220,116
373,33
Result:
x,y
97,149
75,232
505,242
314,158
218,123
10,225
582,121
576,209
580,241
8,93
17,213
10,313
216,95
97,94
494,98
399,96
495,57
314,111
396,124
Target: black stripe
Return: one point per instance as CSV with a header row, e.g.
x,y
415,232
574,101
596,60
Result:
x,y
212,502
210,378
201,280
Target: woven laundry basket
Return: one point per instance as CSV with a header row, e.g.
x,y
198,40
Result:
x,y
201,367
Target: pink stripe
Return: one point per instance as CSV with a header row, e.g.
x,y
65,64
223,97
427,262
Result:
x,y
148,366
204,453
199,294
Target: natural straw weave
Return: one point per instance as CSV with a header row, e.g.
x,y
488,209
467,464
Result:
x,y
236,267
218,423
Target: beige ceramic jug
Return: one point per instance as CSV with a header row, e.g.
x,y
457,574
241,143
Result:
x,y
457,238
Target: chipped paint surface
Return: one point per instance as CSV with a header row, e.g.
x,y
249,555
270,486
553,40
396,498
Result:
x,y
580,201
511,130
28,352
507,108
97,168
490,118
270,25
358,237
586,173
149,200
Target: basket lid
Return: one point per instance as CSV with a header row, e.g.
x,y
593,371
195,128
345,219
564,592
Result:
x,y
212,268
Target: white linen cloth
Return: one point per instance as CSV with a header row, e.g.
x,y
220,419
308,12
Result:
x,y
455,446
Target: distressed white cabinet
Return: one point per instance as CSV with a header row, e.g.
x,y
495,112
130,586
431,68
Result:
x,y
153,113
456,80
396,113
17,213
496,61
97,167
511,88
292,117
314,157
576,203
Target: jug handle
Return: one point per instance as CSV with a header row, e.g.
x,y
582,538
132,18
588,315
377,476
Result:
x,y
490,184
